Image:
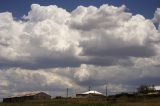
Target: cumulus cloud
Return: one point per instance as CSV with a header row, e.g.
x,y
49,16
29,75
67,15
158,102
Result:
x,y
49,35
156,16
117,34
96,44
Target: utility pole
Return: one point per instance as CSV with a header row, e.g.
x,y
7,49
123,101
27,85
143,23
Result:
x,y
67,93
89,88
106,88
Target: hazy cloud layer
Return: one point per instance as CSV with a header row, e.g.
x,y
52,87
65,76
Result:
x,y
119,79
96,44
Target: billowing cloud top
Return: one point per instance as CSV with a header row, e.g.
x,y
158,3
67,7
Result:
x,y
156,18
96,44
157,15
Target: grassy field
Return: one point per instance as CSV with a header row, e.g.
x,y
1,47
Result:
x,y
89,102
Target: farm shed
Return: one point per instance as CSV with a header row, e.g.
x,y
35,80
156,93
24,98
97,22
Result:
x,y
25,97
90,94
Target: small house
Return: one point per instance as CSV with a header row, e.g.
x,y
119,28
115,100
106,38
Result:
x,y
28,96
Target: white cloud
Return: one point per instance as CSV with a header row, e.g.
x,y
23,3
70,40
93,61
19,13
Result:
x,y
41,13
12,39
112,31
156,17
82,36
83,73
97,44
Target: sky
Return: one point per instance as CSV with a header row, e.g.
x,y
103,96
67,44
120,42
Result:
x,y
21,7
52,45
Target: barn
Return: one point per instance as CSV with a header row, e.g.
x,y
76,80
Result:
x,y
28,96
90,94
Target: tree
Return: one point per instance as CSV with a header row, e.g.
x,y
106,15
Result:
x,y
144,89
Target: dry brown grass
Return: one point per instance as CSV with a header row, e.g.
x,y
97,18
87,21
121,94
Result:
x,y
90,102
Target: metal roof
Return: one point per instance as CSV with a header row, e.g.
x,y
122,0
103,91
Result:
x,y
92,92
27,94
157,87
